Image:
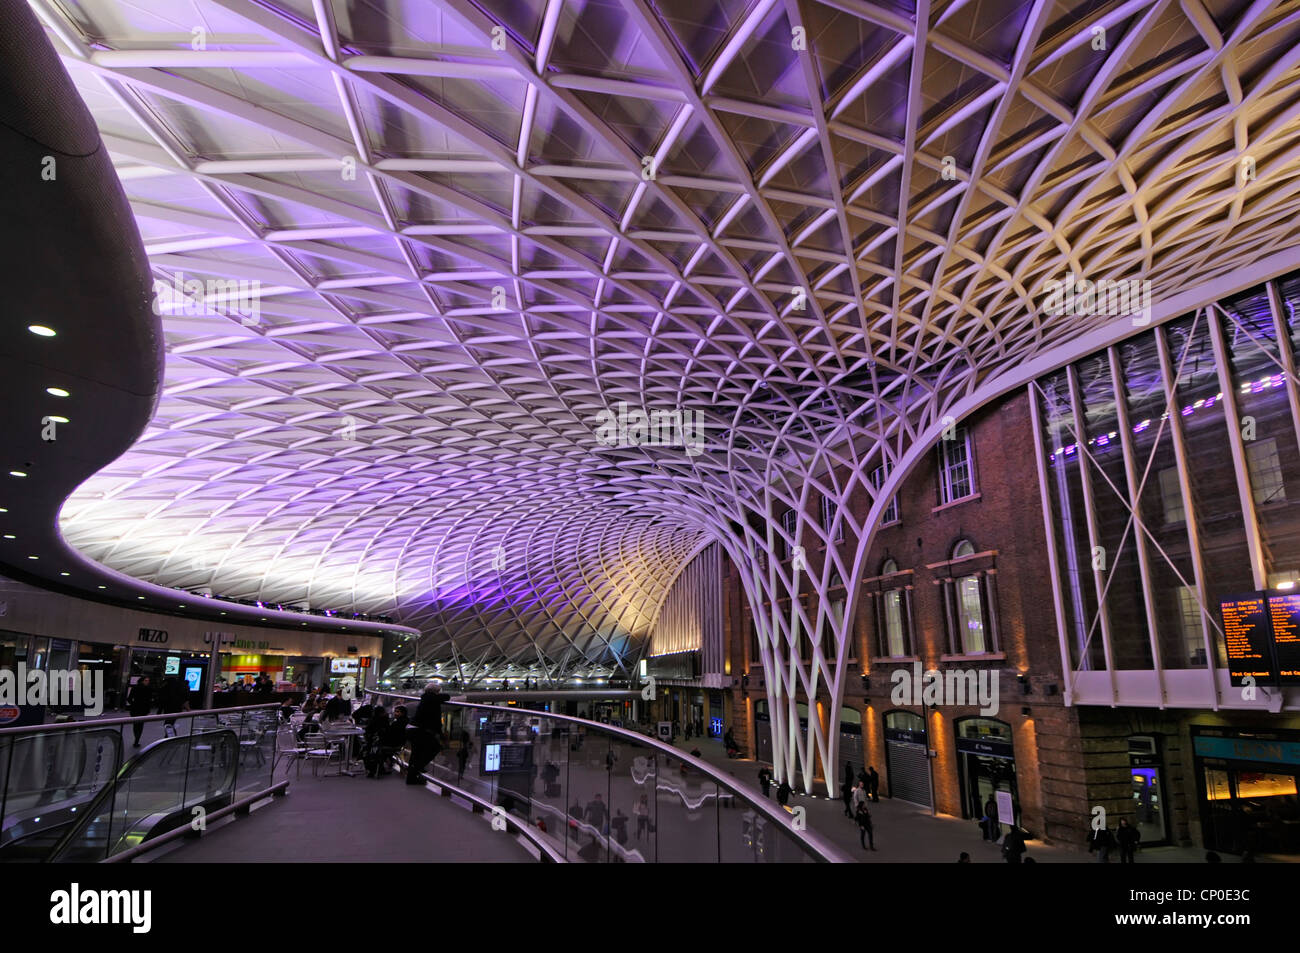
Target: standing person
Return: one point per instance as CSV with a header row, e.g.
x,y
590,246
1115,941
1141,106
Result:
x,y
139,701
859,797
426,731
873,784
1127,836
765,780
376,729
1101,841
642,811
783,793
865,832
846,795
597,814
992,829
462,756
1013,845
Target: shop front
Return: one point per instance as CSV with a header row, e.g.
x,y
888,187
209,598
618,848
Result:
x,y
907,758
1247,785
986,764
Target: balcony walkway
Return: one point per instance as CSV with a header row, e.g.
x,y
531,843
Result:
x,y
352,819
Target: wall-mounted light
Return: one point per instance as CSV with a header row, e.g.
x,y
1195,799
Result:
x,y
866,684
1025,687
1025,711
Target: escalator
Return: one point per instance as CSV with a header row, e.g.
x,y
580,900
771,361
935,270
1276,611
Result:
x,y
156,791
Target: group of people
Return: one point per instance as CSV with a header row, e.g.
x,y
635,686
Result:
x,y
262,685
856,796
1103,841
173,697
1013,843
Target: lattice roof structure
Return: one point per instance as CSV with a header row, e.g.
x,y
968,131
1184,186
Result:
x,y
814,227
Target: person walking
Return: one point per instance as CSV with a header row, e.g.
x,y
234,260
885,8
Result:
x,y
426,731
865,832
846,795
783,793
139,702
1013,845
764,780
1101,841
173,697
1127,836
873,784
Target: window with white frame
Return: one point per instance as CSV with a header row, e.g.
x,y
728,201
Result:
x,y
1171,496
835,531
878,477
956,477
1265,468
968,596
893,617
789,524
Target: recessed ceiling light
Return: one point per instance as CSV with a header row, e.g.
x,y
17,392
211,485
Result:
x,y
10,536
58,420
139,597
17,473
56,392
3,510
33,557
41,330
65,574
101,587
1289,584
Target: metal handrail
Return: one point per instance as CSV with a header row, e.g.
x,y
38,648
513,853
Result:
x,y
821,848
134,719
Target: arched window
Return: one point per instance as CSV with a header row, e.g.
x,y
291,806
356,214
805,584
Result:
x,y
894,613
968,599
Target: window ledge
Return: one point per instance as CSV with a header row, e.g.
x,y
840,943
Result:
x,y
965,499
983,657
888,659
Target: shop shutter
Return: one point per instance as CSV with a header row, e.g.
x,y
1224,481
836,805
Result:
x,y
909,773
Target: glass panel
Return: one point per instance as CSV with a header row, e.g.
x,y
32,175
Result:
x,y
894,622
970,615
601,796
1070,526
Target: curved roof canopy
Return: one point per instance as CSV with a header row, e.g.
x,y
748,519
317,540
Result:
x,y
460,231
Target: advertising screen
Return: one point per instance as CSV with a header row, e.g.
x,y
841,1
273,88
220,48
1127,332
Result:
x,y
491,759
1284,613
173,665
344,666
194,677
1248,638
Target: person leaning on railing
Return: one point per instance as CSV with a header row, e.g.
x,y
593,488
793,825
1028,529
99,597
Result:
x,y
425,732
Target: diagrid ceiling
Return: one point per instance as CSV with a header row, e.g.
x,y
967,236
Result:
x,y
467,229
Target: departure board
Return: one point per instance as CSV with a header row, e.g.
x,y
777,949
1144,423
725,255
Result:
x,y
1284,613
1248,634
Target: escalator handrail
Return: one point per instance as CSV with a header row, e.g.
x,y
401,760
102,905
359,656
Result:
x,y
124,773
822,849
130,720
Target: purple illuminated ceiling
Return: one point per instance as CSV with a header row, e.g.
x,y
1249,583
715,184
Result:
x,y
464,230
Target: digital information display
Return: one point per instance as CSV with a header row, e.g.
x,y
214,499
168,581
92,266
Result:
x,y
1248,635
172,666
491,759
1284,613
